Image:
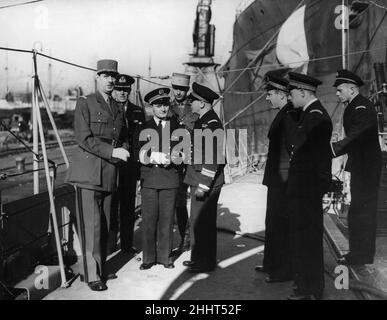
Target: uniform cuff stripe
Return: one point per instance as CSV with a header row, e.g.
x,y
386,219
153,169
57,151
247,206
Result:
x,y
203,187
208,173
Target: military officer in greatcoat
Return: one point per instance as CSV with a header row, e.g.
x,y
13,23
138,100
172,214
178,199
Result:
x,y
309,178
205,176
159,181
181,109
277,259
98,122
361,143
129,172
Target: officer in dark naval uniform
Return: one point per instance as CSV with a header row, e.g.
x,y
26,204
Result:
x,y
309,178
206,179
277,260
159,181
129,172
98,122
361,143
181,109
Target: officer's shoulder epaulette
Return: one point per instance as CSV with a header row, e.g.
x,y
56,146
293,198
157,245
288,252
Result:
x,y
360,107
316,110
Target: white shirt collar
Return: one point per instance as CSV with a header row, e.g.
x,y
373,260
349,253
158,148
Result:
x,y
157,120
309,103
105,96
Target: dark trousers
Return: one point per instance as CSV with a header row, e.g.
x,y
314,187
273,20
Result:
x,y
181,210
158,207
362,218
123,207
93,217
306,240
203,228
277,258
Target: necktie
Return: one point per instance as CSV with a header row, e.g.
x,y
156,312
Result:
x,y
109,103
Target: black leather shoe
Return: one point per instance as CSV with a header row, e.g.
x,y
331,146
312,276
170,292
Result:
x,y
169,265
145,266
259,268
188,263
273,279
97,285
131,250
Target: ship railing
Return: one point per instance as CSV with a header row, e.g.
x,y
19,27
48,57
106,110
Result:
x,y
27,232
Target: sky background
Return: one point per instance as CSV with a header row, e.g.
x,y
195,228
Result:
x,y
130,31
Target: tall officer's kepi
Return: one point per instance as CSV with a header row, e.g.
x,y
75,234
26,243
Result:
x,y
346,76
158,96
124,81
108,66
202,93
303,81
180,81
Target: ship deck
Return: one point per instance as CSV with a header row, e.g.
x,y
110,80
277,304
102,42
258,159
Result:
x,y
240,227
240,222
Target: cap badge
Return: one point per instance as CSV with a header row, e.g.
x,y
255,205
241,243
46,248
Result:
x,y
161,91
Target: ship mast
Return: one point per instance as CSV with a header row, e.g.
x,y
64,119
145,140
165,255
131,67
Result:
x,y
344,33
6,73
201,63
149,68
49,78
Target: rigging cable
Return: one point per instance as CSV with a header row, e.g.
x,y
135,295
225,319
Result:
x,y
369,43
16,50
378,5
150,81
38,156
66,62
253,60
220,71
309,60
20,4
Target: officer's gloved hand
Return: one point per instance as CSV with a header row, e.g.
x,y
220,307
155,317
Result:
x,y
335,137
200,193
121,153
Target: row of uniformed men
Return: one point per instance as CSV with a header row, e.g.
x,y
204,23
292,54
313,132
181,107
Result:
x,y
106,131
298,173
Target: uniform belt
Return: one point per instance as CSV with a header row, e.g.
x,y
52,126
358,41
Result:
x,y
115,143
